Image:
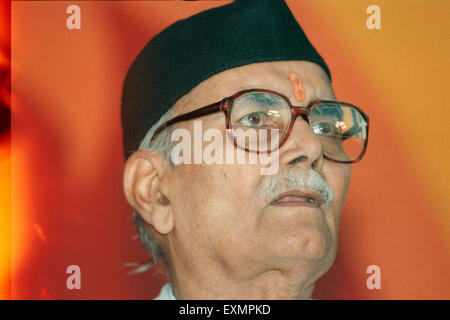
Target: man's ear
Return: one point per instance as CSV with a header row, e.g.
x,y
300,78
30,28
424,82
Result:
x,y
142,179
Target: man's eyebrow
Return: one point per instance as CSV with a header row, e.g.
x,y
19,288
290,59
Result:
x,y
262,99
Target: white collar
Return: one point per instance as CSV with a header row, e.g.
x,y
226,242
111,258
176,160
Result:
x,y
166,293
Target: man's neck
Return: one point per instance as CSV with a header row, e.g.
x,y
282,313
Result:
x,y
210,284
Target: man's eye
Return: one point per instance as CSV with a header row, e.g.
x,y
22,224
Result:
x,y
325,129
254,119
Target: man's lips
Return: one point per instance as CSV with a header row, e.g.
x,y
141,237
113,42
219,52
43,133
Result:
x,y
298,198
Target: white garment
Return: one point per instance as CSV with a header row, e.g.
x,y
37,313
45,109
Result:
x,y
166,293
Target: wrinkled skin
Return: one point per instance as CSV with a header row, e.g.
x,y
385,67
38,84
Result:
x,y
221,240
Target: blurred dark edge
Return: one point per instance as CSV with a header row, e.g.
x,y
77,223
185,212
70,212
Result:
x,y
5,71
5,120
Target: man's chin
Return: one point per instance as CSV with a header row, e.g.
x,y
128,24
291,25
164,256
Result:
x,y
306,244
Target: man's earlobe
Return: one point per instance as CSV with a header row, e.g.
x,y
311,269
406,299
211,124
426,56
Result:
x,y
142,179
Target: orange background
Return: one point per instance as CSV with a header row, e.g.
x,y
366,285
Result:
x,y
64,204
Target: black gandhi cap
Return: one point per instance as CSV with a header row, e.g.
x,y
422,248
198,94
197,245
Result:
x,y
192,50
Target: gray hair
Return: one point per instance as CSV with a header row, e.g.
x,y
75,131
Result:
x,y
163,145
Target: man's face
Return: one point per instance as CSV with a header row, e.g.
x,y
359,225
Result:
x,y
219,217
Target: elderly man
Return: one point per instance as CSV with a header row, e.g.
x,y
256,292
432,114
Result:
x,y
224,229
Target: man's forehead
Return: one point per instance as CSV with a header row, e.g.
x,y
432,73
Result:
x,y
266,75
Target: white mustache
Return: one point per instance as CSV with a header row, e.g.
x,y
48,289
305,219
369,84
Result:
x,y
294,178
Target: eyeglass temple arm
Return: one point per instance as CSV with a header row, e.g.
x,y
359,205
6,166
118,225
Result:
x,y
214,107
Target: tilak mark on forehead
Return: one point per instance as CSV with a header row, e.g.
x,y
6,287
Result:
x,y
299,92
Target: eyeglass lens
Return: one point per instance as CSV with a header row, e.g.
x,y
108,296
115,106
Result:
x,y
257,118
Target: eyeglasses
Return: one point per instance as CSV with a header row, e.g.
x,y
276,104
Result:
x,y
341,127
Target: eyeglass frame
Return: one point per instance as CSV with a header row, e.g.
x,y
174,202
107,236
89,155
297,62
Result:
x,y
225,105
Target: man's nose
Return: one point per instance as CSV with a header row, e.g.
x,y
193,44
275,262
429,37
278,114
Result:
x,y
302,148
